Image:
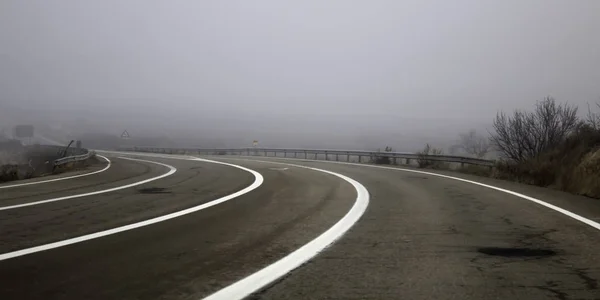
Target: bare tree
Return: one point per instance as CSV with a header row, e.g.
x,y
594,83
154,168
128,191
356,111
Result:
x,y
593,118
527,134
474,144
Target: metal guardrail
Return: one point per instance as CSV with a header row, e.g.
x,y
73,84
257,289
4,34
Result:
x,y
74,158
314,153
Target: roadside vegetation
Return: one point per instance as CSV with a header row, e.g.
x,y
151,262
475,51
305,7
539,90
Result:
x,y
549,146
382,159
423,158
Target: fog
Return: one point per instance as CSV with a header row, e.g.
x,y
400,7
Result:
x,y
319,74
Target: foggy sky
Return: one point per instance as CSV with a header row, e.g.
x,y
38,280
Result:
x,y
336,68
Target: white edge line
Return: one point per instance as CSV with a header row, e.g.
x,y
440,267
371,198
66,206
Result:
x,y
280,268
258,180
532,199
171,171
62,178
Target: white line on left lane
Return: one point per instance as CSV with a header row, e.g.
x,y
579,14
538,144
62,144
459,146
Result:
x,y
172,170
258,180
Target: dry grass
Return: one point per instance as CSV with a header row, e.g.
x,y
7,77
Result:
x,y
476,170
586,176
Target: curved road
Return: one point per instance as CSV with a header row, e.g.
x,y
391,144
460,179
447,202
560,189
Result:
x,y
421,236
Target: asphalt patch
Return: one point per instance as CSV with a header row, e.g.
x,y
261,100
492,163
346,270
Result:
x,y
153,190
516,252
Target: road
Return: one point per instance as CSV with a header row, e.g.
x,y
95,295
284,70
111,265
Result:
x,y
421,236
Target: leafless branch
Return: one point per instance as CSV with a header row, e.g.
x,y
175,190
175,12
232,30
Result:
x,y
527,134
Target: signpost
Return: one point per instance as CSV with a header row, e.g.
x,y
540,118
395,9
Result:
x,y
254,144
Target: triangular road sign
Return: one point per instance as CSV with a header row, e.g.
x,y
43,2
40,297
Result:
x,y
125,135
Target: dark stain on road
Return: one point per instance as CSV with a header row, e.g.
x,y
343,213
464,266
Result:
x,y
154,190
516,252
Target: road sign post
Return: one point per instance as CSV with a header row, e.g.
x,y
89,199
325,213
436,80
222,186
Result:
x,y
254,144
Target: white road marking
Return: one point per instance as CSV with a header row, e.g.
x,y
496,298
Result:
x,y
171,171
61,178
258,180
280,268
532,199
278,169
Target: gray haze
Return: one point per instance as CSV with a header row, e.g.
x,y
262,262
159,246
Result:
x,y
328,74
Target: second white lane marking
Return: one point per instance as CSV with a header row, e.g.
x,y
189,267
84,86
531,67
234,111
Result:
x,y
62,178
278,269
563,211
258,180
172,170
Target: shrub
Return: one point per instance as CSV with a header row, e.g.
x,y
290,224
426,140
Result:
x,y
586,176
382,160
425,162
476,170
571,166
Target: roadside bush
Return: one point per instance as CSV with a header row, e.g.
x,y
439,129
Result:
x,y
15,172
424,162
382,160
476,170
586,176
8,173
573,165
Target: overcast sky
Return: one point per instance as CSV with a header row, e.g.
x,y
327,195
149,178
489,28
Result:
x,y
443,60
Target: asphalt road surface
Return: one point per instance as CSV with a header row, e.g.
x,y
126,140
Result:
x,y
421,236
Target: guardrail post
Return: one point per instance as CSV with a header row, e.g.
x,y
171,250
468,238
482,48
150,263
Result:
x,y
462,164
326,156
360,158
305,155
408,161
284,153
337,157
348,157
394,161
